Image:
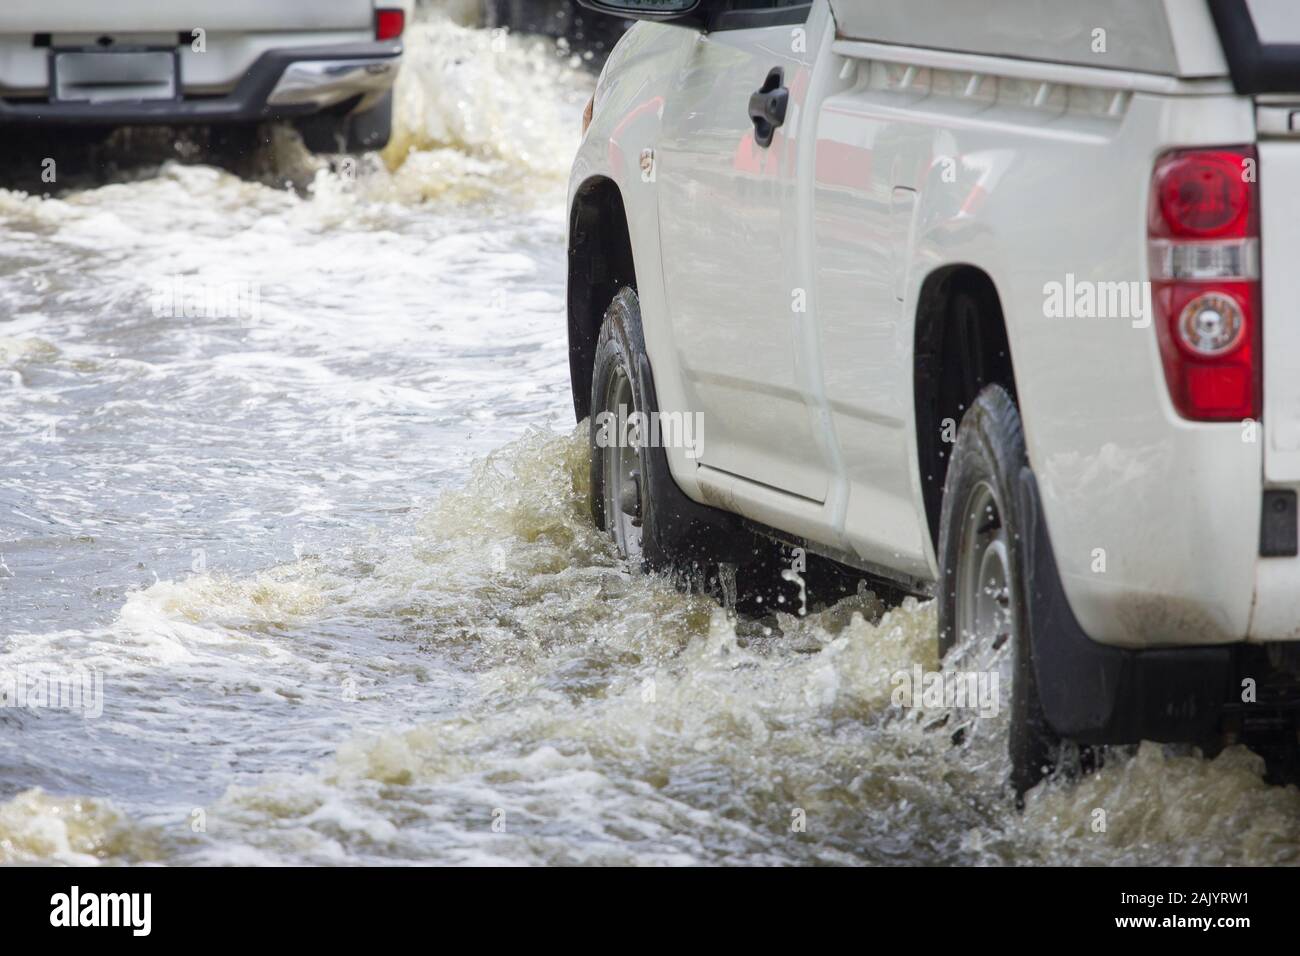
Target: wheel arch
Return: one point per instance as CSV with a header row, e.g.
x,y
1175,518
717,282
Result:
x,y
600,262
957,351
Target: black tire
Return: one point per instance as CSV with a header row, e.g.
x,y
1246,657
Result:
x,y
373,128
348,133
981,508
236,142
676,534
236,147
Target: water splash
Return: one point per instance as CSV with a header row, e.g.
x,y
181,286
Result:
x,y
409,643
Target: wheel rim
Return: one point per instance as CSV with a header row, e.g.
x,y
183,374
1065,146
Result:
x,y
622,472
986,619
985,602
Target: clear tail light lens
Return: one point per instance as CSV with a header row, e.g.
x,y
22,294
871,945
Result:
x,y
1203,232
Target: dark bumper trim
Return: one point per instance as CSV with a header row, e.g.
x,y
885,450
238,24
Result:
x,y
246,103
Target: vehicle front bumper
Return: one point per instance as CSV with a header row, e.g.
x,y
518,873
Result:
x,y
281,84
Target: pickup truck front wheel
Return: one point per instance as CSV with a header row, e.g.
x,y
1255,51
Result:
x,y
633,495
983,599
624,486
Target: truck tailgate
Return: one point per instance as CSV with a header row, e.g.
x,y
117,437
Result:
x,y
1279,167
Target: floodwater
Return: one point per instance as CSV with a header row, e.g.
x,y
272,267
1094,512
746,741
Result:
x,y
318,552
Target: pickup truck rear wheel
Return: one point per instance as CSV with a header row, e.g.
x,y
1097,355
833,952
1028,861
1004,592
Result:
x,y
983,597
353,133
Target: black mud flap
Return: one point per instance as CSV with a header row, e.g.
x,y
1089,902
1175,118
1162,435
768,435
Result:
x,y
1095,694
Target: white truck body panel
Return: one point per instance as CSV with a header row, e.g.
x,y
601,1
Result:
x,y
902,159
1277,603
1279,161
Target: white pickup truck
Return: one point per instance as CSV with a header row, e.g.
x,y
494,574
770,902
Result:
x,y
990,301
326,65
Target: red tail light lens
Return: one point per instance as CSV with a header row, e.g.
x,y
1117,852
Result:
x,y
389,24
1204,254
1202,194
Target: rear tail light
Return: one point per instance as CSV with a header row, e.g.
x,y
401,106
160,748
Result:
x,y
1203,228
389,24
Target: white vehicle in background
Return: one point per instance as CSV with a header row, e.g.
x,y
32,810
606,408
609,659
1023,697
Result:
x,y
993,302
326,65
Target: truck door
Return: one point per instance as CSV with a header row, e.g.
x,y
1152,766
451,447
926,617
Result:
x,y
728,196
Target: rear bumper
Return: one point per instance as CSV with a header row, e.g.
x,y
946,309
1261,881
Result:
x,y
281,84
